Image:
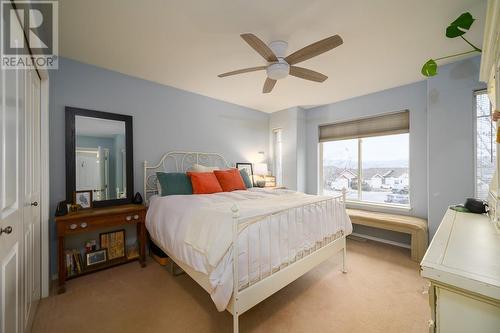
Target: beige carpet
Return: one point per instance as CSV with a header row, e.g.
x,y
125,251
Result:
x,y
382,292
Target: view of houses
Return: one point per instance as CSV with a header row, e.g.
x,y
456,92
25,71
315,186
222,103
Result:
x,y
383,185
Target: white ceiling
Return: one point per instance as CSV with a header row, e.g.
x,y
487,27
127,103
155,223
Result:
x,y
98,127
185,44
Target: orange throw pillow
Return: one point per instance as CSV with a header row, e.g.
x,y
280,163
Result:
x,y
230,180
204,182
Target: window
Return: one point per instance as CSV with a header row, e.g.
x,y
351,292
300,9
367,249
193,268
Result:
x,y
372,168
485,145
278,156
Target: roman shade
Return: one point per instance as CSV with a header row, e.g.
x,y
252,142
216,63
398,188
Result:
x,y
393,123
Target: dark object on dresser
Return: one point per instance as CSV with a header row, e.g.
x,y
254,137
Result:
x,y
62,208
94,219
137,199
476,206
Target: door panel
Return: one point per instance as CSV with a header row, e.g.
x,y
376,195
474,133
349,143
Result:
x,y
31,216
10,290
11,198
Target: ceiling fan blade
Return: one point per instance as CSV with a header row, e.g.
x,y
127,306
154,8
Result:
x,y
259,46
307,74
268,85
241,71
314,49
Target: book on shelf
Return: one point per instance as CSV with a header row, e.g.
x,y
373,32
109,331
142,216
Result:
x,y
74,262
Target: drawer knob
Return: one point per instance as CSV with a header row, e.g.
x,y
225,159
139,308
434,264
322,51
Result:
x,y
83,225
72,226
128,218
136,217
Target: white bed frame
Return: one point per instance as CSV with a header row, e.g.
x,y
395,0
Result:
x,y
253,292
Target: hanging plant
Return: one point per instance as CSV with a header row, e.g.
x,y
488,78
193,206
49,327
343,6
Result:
x,y
457,28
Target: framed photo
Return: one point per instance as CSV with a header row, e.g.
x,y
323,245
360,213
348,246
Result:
x,y
245,166
114,242
96,257
83,198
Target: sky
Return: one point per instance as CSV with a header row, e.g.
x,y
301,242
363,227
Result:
x,y
388,150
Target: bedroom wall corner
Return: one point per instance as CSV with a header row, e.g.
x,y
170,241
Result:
x,y
292,123
451,136
165,119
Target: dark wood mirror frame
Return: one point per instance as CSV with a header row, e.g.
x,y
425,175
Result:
x,y
71,114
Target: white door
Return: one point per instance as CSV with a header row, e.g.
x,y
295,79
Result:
x,y
31,214
11,199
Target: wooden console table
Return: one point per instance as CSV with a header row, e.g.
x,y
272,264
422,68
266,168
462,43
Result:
x,y
94,219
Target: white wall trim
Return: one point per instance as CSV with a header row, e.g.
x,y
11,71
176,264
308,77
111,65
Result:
x,y
45,185
381,240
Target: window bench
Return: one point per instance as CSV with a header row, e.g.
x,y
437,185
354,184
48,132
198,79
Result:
x,y
414,226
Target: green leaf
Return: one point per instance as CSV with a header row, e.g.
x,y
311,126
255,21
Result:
x,y
460,25
429,68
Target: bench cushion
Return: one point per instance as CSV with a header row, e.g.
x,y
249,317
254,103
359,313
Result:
x,y
401,221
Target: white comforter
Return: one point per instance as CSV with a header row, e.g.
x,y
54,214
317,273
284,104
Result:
x,y
197,229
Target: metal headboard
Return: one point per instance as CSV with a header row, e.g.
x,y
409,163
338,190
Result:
x,y
178,161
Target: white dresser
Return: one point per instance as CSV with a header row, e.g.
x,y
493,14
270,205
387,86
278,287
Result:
x,y
463,266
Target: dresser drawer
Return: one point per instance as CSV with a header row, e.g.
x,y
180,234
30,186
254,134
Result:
x,y
92,223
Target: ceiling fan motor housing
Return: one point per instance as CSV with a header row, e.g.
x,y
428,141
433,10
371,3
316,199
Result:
x,y
278,70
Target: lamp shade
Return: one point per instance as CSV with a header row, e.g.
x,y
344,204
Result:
x,y
260,169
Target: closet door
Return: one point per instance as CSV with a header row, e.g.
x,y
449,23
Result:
x,y
31,216
11,199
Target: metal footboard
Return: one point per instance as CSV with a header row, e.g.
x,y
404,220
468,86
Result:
x,y
297,263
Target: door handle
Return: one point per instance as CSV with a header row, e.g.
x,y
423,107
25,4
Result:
x,y
34,203
7,230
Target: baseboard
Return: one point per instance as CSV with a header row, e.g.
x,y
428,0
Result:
x,y
381,240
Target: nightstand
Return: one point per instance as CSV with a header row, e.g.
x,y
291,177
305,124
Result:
x,y
93,219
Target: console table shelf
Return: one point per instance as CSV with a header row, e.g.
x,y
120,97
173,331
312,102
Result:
x,y
92,220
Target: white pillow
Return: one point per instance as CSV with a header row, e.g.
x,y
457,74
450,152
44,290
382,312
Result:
x,y
202,168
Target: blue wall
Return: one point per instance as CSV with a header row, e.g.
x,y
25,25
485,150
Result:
x,y
450,106
441,135
165,119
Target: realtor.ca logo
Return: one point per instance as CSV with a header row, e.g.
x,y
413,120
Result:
x,y
29,31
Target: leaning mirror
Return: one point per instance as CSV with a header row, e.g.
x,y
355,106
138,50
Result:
x,y
99,157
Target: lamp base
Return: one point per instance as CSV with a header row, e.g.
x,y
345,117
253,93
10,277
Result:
x,y
260,183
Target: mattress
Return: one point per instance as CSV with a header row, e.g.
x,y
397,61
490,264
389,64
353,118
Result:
x,y
195,229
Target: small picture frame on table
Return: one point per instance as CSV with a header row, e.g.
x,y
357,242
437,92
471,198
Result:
x,y
114,242
247,167
83,199
96,257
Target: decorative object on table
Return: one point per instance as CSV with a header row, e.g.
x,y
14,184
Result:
x,y
83,199
459,208
245,166
114,241
270,181
261,173
457,28
90,245
62,208
96,257
476,206
247,178
133,251
137,199
74,208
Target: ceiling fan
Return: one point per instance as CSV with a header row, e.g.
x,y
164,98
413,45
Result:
x,y
280,66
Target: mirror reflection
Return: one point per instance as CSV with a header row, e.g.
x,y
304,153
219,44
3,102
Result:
x,y
100,157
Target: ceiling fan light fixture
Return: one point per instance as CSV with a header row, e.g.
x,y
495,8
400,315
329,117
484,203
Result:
x,y
278,70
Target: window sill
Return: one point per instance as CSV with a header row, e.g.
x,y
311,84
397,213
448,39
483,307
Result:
x,y
378,206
